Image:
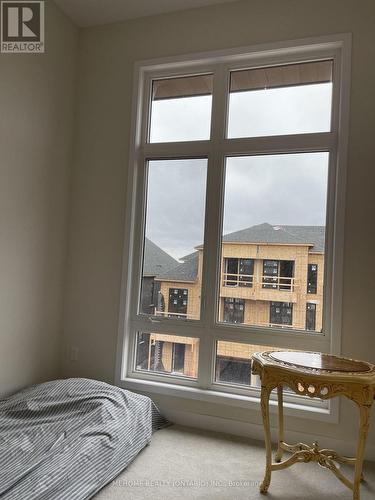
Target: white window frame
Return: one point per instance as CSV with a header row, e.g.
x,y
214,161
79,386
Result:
x,y
219,63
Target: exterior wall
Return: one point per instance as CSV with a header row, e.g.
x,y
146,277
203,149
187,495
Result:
x,y
257,298
259,313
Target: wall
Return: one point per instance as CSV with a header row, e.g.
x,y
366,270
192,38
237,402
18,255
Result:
x,y
37,93
106,59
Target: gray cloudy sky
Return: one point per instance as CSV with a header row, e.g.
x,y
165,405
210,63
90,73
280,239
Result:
x,y
279,189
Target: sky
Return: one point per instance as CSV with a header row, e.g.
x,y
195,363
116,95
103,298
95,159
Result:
x,y
279,189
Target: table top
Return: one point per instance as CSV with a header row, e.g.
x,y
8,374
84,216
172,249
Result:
x,y
320,361
317,364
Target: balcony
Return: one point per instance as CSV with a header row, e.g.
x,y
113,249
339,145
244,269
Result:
x,y
251,287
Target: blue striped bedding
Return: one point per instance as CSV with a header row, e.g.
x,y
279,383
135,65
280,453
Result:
x,y
66,439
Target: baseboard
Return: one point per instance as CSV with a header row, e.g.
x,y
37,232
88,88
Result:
x,y
255,431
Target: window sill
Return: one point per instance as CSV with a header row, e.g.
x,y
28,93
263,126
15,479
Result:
x,y
250,403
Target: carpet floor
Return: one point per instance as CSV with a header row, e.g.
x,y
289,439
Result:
x,y
185,463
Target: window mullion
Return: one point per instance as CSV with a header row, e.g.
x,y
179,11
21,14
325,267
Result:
x,y
214,203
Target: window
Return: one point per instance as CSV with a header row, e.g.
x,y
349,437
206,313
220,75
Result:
x,y
167,354
236,186
234,310
174,225
181,109
301,93
178,301
278,274
238,272
312,278
281,313
310,316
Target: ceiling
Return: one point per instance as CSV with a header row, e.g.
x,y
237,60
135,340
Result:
x,y
95,12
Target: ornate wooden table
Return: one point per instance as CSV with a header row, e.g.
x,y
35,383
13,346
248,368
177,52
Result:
x,y
318,376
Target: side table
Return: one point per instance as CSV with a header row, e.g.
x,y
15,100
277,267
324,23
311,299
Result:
x,y
321,376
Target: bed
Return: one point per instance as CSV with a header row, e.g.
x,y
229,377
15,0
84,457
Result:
x,y
66,439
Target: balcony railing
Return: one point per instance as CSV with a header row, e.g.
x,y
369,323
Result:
x,y
167,314
231,279
267,282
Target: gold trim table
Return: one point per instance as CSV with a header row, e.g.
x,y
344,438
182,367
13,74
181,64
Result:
x,y
320,376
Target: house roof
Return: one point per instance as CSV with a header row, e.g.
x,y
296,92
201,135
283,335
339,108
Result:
x,y
275,234
186,271
156,261
312,236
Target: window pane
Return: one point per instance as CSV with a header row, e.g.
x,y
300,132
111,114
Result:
x,y
233,362
274,239
289,99
181,109
167,354
172,259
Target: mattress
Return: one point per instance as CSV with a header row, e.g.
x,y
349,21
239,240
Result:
x,y
66,439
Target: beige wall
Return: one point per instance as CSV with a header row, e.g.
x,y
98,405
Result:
x,y
106,59
36,102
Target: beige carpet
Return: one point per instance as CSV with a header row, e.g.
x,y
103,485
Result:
x,y
184,463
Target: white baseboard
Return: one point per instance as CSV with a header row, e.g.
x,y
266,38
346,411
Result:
x,y
255,431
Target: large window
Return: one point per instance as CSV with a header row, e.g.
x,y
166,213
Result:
x,y
281,313
278,274
235,203
234,310
238,272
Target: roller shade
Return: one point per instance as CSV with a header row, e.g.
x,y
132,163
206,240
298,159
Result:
x,y
245,80
186,86
281,76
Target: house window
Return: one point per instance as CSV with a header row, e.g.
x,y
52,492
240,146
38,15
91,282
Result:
x,y
178,301
281,313
312,278
234,310
235,164
310,316
238,272
278,274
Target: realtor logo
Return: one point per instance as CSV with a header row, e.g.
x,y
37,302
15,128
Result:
x,y
22,27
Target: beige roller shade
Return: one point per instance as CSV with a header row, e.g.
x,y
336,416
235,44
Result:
x,y
186,86
281,76
243,80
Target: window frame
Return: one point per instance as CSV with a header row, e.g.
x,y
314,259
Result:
x,y
220,63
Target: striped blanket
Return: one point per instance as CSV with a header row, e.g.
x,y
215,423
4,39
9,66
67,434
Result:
x,y
66,439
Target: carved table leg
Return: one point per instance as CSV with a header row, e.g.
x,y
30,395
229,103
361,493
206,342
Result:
x,y
264,402
279,453
364,412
